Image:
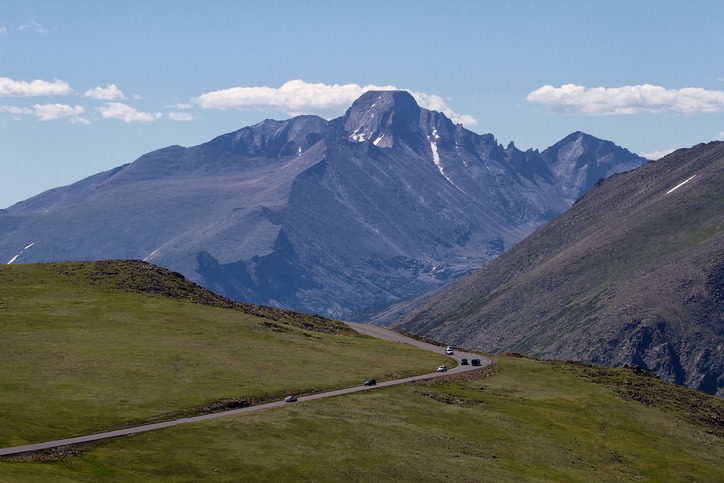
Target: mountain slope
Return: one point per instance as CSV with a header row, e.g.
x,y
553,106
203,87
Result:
x,y
631,274
383,203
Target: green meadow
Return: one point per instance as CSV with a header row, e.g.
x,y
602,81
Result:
x,y
80,357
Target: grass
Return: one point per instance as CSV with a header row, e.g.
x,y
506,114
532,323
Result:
x,y
80,356
533,421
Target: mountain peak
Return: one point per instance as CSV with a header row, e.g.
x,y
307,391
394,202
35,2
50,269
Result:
x,y
273,138
381,117
580,160
386,100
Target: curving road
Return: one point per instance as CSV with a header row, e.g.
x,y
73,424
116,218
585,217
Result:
x,y
370,330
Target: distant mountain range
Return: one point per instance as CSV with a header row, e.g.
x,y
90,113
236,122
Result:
x,y
632,274
330,217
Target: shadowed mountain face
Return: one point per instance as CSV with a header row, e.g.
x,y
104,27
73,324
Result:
x,y
633,273
383,203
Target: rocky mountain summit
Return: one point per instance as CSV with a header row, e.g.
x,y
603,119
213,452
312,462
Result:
x,y
632,274
386,202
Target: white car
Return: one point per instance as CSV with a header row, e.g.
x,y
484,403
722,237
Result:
x,y
442,368
449,351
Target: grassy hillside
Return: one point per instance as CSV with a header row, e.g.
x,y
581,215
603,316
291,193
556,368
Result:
x,y
86,347
533,421
89,347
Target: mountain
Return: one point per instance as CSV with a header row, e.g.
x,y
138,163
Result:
x,y
383,203
632,274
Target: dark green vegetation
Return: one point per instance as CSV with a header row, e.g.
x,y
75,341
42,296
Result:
x,y
632,274
87,347
135,276
533,421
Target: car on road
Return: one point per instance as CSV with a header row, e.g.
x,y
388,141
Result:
x,y
370,382
463,362
475,362
442,368
449,352
290,399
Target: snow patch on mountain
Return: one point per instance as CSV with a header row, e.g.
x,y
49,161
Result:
x,y
358,137
20,253
436,160
680,185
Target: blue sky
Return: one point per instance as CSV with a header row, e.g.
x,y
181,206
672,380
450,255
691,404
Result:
x,y
89,85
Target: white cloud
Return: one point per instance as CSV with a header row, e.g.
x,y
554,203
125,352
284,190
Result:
x,y
51,112
48,112
436,103
3,30
646,98
118,110
720,136
654,155
34,26
108,93
37,87
180,116
299,97
16,111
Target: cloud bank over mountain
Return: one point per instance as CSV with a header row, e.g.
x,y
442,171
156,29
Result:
x,y
326,100
294,97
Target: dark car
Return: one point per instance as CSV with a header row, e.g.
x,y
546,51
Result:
x,y
370,382
476,362
463,362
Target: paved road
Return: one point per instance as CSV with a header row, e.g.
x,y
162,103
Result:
x,y
365,329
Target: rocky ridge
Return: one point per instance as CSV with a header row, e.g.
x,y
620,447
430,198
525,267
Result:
x,y
384,203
